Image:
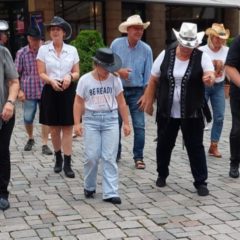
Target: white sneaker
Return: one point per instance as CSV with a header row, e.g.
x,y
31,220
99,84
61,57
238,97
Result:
x,y
207,128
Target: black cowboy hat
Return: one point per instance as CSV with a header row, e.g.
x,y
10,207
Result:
x,y
107,59
34,32
60,22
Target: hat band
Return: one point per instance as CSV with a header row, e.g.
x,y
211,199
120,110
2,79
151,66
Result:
x,y
221,33
106,64
189,39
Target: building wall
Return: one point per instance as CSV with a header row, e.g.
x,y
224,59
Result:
x,y
231,21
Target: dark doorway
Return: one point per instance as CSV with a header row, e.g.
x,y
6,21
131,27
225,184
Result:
x,y
15,13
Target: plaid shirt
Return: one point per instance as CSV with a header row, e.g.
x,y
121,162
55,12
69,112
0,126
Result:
x,y
26,65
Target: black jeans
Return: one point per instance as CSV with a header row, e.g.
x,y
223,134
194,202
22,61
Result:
x,y
5,167
192,130
235,132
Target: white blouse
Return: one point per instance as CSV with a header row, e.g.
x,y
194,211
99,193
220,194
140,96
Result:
x,y
58,66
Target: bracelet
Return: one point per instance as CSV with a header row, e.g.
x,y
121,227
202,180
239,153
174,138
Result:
x,y
10,101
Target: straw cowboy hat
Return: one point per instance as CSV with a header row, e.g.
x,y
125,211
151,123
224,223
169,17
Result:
x,y
134,20
218,30
188,35
107,59
60,22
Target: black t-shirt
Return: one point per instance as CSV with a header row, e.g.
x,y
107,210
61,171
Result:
x,y
233,60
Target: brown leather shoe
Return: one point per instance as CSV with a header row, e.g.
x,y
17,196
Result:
x,y
213,150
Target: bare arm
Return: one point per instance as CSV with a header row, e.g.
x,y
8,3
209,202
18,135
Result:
x,y
78,111
233,75
122,107
8,108
149,96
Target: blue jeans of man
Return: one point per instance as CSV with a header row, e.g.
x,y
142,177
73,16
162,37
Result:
x,y
217,98
132,95
192,131
101,135
30,109
5,166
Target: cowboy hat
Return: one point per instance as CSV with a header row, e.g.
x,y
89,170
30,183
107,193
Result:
x,y
107,59
188,35
60,22
218,30
132,21
3,25
34,32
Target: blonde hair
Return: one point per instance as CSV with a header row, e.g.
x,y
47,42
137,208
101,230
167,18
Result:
x,y
209,41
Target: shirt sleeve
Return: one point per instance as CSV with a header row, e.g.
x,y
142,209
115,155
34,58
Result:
x,y
41,53
118,85
10,71
157,64
206,63
233,57
76,56
80,87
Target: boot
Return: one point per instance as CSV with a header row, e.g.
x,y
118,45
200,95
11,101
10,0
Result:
x,y
67,167
213,150
58,162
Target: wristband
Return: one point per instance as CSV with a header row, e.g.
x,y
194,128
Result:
x,y
10,101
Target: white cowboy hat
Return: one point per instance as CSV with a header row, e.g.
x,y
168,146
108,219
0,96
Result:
x,y
218,30
188,35
132,21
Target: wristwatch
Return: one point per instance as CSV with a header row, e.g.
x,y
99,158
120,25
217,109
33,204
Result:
x,y
11,101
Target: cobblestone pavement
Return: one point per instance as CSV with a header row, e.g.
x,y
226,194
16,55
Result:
x,y
45,205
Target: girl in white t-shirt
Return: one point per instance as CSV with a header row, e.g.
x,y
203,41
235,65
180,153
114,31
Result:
x,y
217,51
99,97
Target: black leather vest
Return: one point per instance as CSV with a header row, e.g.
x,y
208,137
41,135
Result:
x,y
192,87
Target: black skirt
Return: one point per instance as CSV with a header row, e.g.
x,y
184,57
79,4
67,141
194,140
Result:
x,y
56,108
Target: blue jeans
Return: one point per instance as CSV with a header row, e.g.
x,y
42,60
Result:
x,y
101,135
132,95
30,108
217,99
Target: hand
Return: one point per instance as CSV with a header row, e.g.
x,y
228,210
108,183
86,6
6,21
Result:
x,y
124,73
78,130
21,96
145,105
7,112
56,85
208,79
126,129
66,81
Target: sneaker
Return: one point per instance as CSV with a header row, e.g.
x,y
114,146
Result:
x,y
161,182
202,190
46,150
29,145
234,172
89,194
113,200
4,204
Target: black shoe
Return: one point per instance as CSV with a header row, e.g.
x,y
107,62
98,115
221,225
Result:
x,y
58,162
234,172
202,190
161,182
29,145
89,194
113,200
46,150
67,167
4,204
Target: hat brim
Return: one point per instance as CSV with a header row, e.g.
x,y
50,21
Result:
x,y
189,44
110,68
211,31
123,26
65,26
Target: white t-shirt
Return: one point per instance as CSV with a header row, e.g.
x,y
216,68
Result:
x,y
99,95
219,55
179,70
58,67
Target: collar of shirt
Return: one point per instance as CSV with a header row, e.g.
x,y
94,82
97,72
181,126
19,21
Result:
x,y
52,49
127,42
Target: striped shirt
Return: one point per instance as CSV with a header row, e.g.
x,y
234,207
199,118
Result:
x,y
26,65
139,59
